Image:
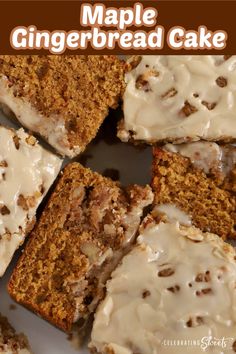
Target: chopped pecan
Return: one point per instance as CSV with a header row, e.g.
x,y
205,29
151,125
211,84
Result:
x,y
3,163
26,202
16,142
42,189
142,84
31,140
202,292
170,93
4,210
195,321
174,289
188,109
208,105
151,73
203,277
145,294
221,81
167,272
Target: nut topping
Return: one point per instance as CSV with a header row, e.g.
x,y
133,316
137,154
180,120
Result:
x,y
170,93
166,272
174,289
4,210
188,109
142,84
221,81
3,163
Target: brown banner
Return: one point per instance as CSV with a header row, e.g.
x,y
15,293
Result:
x,y
65,16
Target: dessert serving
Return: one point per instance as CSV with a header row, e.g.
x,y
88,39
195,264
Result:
x,y
175,98
86,227
62,98
26,173
144,266
200,179
184,290
10,342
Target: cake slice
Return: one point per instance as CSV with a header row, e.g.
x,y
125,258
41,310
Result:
x,y
87,225
62,98
26,173
200,179
10,342
179,98
173,293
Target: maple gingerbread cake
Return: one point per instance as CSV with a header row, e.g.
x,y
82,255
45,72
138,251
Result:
x,y
87,225
10,341
182,294
26,173
62,98
179,98
200,179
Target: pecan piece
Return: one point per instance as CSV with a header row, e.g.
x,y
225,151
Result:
x,y
142,84
221,81
3,163
206,291
4,210
22,202
31,140
188,109
145,294
167,272
174,289
203,277
16,142
170,93
208,105
194,321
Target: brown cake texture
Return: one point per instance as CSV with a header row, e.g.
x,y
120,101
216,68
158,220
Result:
x,y
10,342
86,227
207,195
62,98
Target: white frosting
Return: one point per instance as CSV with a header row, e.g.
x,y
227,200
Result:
x,y
52,129
153,115
144,307
24,172
207,155
173,213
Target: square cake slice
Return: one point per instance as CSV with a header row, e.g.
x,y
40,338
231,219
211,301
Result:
x,y
10,342
26,173
171,293
62,98
175,98
200,179
87,225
